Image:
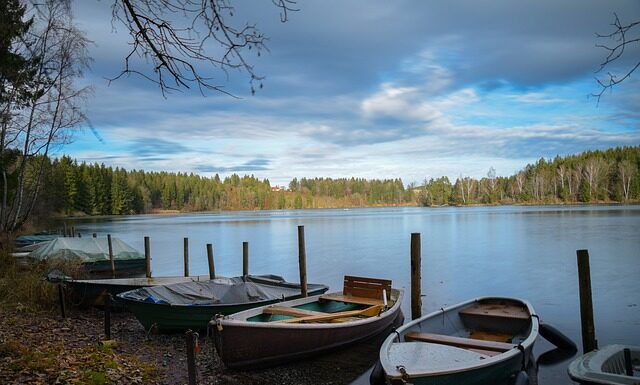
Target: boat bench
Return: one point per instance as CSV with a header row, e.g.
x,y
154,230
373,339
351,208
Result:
x,y
362,291
505,311
487,347
371,311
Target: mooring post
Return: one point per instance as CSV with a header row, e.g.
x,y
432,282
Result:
x,y
147,256
589,341
95,235
416,277
245,258
64,229
302,261
79,234
186,256
113,262
212,268
73,231
191,357
61,298
107,316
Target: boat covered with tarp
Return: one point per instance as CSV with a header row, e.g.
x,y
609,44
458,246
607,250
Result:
x,y
292,330
487,340
191,305
93,254
610,365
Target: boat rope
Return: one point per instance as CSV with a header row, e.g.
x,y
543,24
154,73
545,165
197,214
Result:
x,y
524,361
397,333
153,327
403,372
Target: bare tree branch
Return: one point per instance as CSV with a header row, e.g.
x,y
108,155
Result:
x,y
185,54
622,38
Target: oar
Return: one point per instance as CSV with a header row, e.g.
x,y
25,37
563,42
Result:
x,y
368,312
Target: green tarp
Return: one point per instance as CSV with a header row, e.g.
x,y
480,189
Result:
x,y
86,249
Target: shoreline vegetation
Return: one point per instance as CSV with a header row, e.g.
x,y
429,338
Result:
x,y
79,189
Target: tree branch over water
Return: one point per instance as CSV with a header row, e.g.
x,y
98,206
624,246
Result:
x,y
187,41
621,40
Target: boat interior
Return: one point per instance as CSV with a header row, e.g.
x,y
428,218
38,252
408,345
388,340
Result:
x,y
489,327
360,298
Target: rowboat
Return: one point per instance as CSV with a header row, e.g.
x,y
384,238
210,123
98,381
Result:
x,y
191,305
292,330
93,291
611,365
482,341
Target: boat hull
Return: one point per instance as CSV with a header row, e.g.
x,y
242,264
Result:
x,y
249,345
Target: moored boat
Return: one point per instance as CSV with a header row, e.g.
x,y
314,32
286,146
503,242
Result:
x,y
93,254
482,341
93,291
291,330
191,305
611,365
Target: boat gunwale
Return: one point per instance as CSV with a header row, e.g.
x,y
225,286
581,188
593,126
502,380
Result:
x,y
231,321
489,361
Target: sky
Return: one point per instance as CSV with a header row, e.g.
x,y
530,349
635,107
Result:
x,y
374,89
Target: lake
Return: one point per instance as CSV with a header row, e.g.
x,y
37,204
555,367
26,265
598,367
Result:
x,y
526,252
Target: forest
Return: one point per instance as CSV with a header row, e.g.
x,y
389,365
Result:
x,y
72,188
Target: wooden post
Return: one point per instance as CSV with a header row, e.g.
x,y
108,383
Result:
x,y
302,261
61,298
113,263
95,235
186,257
245,258
628,362
64,228
416,277
212,269
73,232
191,357
589,341
107,316
79,234
147,256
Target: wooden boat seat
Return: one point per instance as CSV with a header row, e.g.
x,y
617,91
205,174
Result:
x,y
290,311
506,311
460,342
368,312
362,291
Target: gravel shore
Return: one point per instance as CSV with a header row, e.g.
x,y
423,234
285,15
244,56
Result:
x,y
43,348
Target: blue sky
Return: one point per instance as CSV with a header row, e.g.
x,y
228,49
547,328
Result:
x,y
374,89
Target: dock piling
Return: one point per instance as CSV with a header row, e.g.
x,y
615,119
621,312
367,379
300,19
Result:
x,y
589,341
416,276
191,357
302,261
245,258
107,316
113,262
186,256
212,268
95,235
147,256
61,298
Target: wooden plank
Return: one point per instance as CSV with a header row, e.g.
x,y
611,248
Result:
x,y
291,311
366,287
459,341
368,312
497,310
352,299
490,336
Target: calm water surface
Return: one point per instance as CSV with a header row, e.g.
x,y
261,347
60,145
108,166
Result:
x,y
527,252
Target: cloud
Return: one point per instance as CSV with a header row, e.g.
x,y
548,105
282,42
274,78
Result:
x,y
252,165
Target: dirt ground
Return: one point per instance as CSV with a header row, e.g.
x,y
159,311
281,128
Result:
x,y
44,348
